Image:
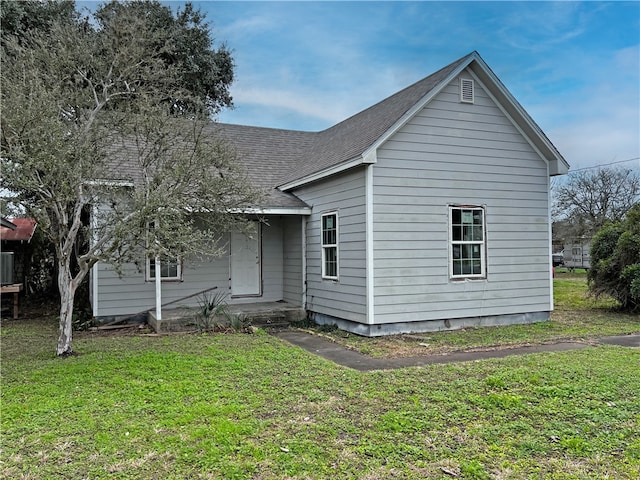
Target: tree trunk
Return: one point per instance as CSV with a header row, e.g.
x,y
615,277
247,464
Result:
x,y
67,287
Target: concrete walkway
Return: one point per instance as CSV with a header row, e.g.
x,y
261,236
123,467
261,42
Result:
x,y
352,359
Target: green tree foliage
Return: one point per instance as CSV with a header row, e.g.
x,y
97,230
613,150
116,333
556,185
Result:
x,y
182,42
615,260
89,130
21,18
203,72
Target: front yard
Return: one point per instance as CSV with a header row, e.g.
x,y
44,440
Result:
x,y
248,406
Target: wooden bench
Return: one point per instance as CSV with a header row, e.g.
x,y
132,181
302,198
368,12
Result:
x,y
16,288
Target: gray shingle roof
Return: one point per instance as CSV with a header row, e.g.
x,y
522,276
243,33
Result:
x,y
273,157
267,154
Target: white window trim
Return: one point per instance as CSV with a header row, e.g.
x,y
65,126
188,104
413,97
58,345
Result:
x,y
323,246
483,244
176,278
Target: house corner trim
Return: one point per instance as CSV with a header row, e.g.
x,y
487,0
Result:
x,y
369,244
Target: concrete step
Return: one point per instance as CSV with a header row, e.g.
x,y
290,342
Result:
x,y
275,320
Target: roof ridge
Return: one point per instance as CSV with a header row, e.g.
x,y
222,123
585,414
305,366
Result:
x,y
351,137
404,90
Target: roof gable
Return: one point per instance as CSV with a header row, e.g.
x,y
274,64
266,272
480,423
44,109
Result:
x,y
356,137
288,159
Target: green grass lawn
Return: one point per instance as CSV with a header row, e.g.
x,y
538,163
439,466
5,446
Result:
x,y
241,406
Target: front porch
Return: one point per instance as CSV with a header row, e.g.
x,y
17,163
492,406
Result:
x,y
263,314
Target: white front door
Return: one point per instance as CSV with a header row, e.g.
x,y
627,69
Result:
x,y
245,264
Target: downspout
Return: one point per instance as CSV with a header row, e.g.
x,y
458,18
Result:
x,y
551,306
304,261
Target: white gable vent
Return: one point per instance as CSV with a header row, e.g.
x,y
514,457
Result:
x,y
466,90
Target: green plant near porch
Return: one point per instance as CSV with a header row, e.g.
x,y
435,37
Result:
x,y
214,314
212,309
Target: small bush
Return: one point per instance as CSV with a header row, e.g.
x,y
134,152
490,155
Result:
x,y
615,261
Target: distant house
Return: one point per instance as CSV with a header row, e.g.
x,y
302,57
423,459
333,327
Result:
x,y
426,211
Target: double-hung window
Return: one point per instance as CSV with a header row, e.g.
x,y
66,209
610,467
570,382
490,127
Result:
x,y
170,268
467,242
330,245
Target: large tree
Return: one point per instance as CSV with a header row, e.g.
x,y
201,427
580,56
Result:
x,y
182,41
96,123
585,200
20,18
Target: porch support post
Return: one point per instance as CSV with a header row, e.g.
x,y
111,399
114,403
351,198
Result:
x,y
158,289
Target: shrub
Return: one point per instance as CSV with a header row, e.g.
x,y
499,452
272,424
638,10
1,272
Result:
x,y
615,261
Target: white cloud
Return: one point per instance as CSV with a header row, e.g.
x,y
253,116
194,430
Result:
x,y
305,104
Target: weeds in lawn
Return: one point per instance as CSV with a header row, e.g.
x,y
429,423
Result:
x,y
238,322
250,406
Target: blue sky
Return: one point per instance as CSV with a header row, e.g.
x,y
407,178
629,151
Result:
x,y
574,66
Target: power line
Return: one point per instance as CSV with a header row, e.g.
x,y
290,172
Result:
x,y
606,164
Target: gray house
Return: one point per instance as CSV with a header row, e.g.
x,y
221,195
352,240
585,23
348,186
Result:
x,y
426,211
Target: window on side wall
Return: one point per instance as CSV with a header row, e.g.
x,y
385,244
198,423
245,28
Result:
x,y
330,245
467,247
170,269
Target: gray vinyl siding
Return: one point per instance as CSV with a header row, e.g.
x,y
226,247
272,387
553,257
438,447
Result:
x,y
292,260
346,297
458,153
131,294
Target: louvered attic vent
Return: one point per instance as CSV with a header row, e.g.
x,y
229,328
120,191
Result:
x,y
466,90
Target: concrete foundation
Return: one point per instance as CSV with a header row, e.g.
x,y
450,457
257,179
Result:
x,y
378,330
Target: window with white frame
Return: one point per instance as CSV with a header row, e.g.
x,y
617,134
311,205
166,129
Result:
x,y
467,242
170,268
330,245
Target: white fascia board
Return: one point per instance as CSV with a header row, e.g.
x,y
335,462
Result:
x,y
327,172
412,112
273,211
109,183
558,165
